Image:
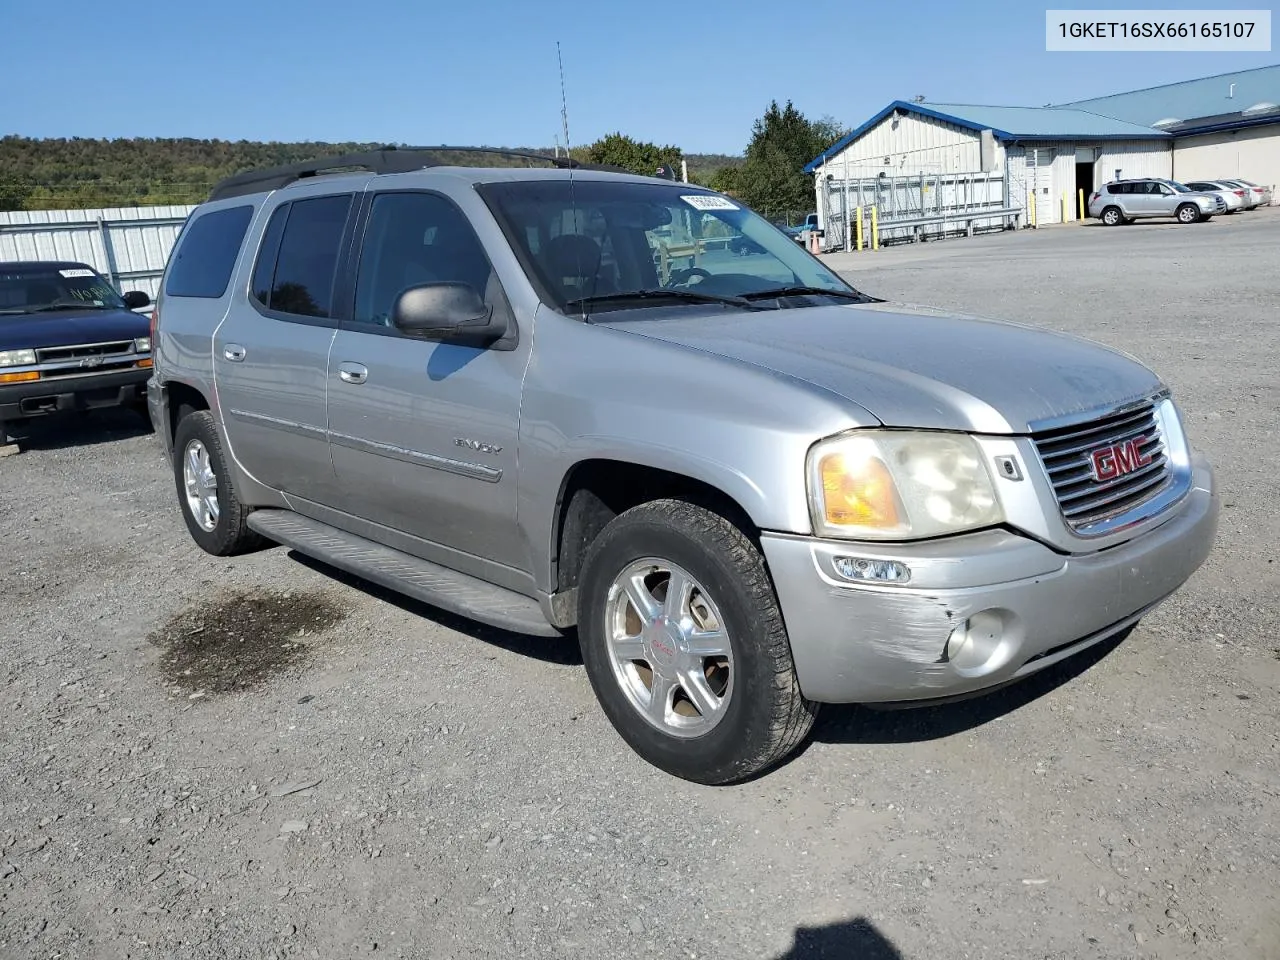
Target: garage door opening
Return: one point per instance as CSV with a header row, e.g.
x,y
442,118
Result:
x,y
1085,162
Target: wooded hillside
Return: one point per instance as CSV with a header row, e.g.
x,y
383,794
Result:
x,y
61,174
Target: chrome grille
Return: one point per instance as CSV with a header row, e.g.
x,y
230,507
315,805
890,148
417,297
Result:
x,y
1066,453
83,350
86,358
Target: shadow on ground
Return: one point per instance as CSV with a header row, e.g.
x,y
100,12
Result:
x,y
558,650
858,724
856,939
837,723
79,429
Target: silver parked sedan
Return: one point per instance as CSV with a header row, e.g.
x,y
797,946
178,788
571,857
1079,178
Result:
x,y
1236,197
1259,196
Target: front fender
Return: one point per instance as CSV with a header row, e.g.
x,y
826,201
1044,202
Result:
x,y
595,393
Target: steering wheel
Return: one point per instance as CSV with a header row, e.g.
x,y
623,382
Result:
x,y
683,277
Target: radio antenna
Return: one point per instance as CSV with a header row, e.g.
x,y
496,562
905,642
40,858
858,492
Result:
x,y
568,152
564,103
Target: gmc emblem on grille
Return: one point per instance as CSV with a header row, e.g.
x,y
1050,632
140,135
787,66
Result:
x,y
1115,461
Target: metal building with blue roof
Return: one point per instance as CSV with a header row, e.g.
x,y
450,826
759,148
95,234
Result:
x,y
1221,126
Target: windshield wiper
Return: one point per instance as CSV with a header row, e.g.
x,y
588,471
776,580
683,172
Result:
x,y
799,291
49,308
663,294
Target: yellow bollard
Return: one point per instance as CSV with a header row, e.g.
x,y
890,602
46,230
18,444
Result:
x,y
1031,197
1082,211
1064,208
875,229
857,232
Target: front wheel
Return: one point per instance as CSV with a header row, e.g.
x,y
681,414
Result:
x,y
214,515
1188,213
684,644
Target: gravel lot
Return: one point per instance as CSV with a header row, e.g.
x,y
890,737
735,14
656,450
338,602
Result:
x,y
257,758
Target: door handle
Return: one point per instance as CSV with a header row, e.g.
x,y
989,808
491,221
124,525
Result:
x,y
349,372
233,352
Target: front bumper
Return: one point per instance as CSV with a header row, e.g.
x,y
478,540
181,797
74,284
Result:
x,y
1026,606
56,394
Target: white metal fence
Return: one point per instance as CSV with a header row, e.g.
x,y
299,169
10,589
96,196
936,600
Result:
x,y
127,245
915,207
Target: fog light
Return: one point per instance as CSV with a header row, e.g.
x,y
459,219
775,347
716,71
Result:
x,y
864,570
980,644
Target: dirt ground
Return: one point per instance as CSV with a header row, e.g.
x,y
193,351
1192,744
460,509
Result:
x,y
259,758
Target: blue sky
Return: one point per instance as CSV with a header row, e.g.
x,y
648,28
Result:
x,y
484,71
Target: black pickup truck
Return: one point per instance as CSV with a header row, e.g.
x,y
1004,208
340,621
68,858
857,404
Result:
x,y
68,341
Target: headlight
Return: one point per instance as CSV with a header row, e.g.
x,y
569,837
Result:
x,y
17,358
142,345
889,485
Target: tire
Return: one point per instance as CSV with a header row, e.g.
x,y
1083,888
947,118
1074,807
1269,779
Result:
x,y
758,716
1112,217
221,531
1188,213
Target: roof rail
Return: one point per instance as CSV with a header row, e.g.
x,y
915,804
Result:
x,y
388,159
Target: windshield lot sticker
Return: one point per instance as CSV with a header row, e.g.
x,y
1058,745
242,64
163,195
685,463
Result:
x,y
700,201
78,272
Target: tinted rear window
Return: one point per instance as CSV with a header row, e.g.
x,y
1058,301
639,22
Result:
x,y
307,262
203,262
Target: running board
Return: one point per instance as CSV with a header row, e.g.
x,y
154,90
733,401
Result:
x,y
429,582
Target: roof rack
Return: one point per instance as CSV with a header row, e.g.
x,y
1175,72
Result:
x,y
388,159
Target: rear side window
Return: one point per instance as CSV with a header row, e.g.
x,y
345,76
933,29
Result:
x,y
203,262
297,276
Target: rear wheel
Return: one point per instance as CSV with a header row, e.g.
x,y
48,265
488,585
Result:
x,y
1112,216
684,644
214,515
1188,213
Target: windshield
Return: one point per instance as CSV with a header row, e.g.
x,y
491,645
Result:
x,y
613,244
50,289
1179,187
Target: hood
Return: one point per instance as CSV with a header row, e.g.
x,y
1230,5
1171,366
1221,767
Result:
x,y
915,366
69,328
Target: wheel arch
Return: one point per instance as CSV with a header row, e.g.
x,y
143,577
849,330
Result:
x,y
179,398
594,490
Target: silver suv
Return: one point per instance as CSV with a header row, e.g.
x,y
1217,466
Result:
x,y
1123,201
561,398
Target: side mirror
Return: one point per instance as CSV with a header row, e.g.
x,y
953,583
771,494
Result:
x,y
136,299
446,311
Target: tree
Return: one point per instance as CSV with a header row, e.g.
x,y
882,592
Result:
x,y
15,192
726,180
619,150
773,180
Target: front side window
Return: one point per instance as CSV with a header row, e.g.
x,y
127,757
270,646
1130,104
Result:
x,y
306,265
618,244
206,253
48,289
414,239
